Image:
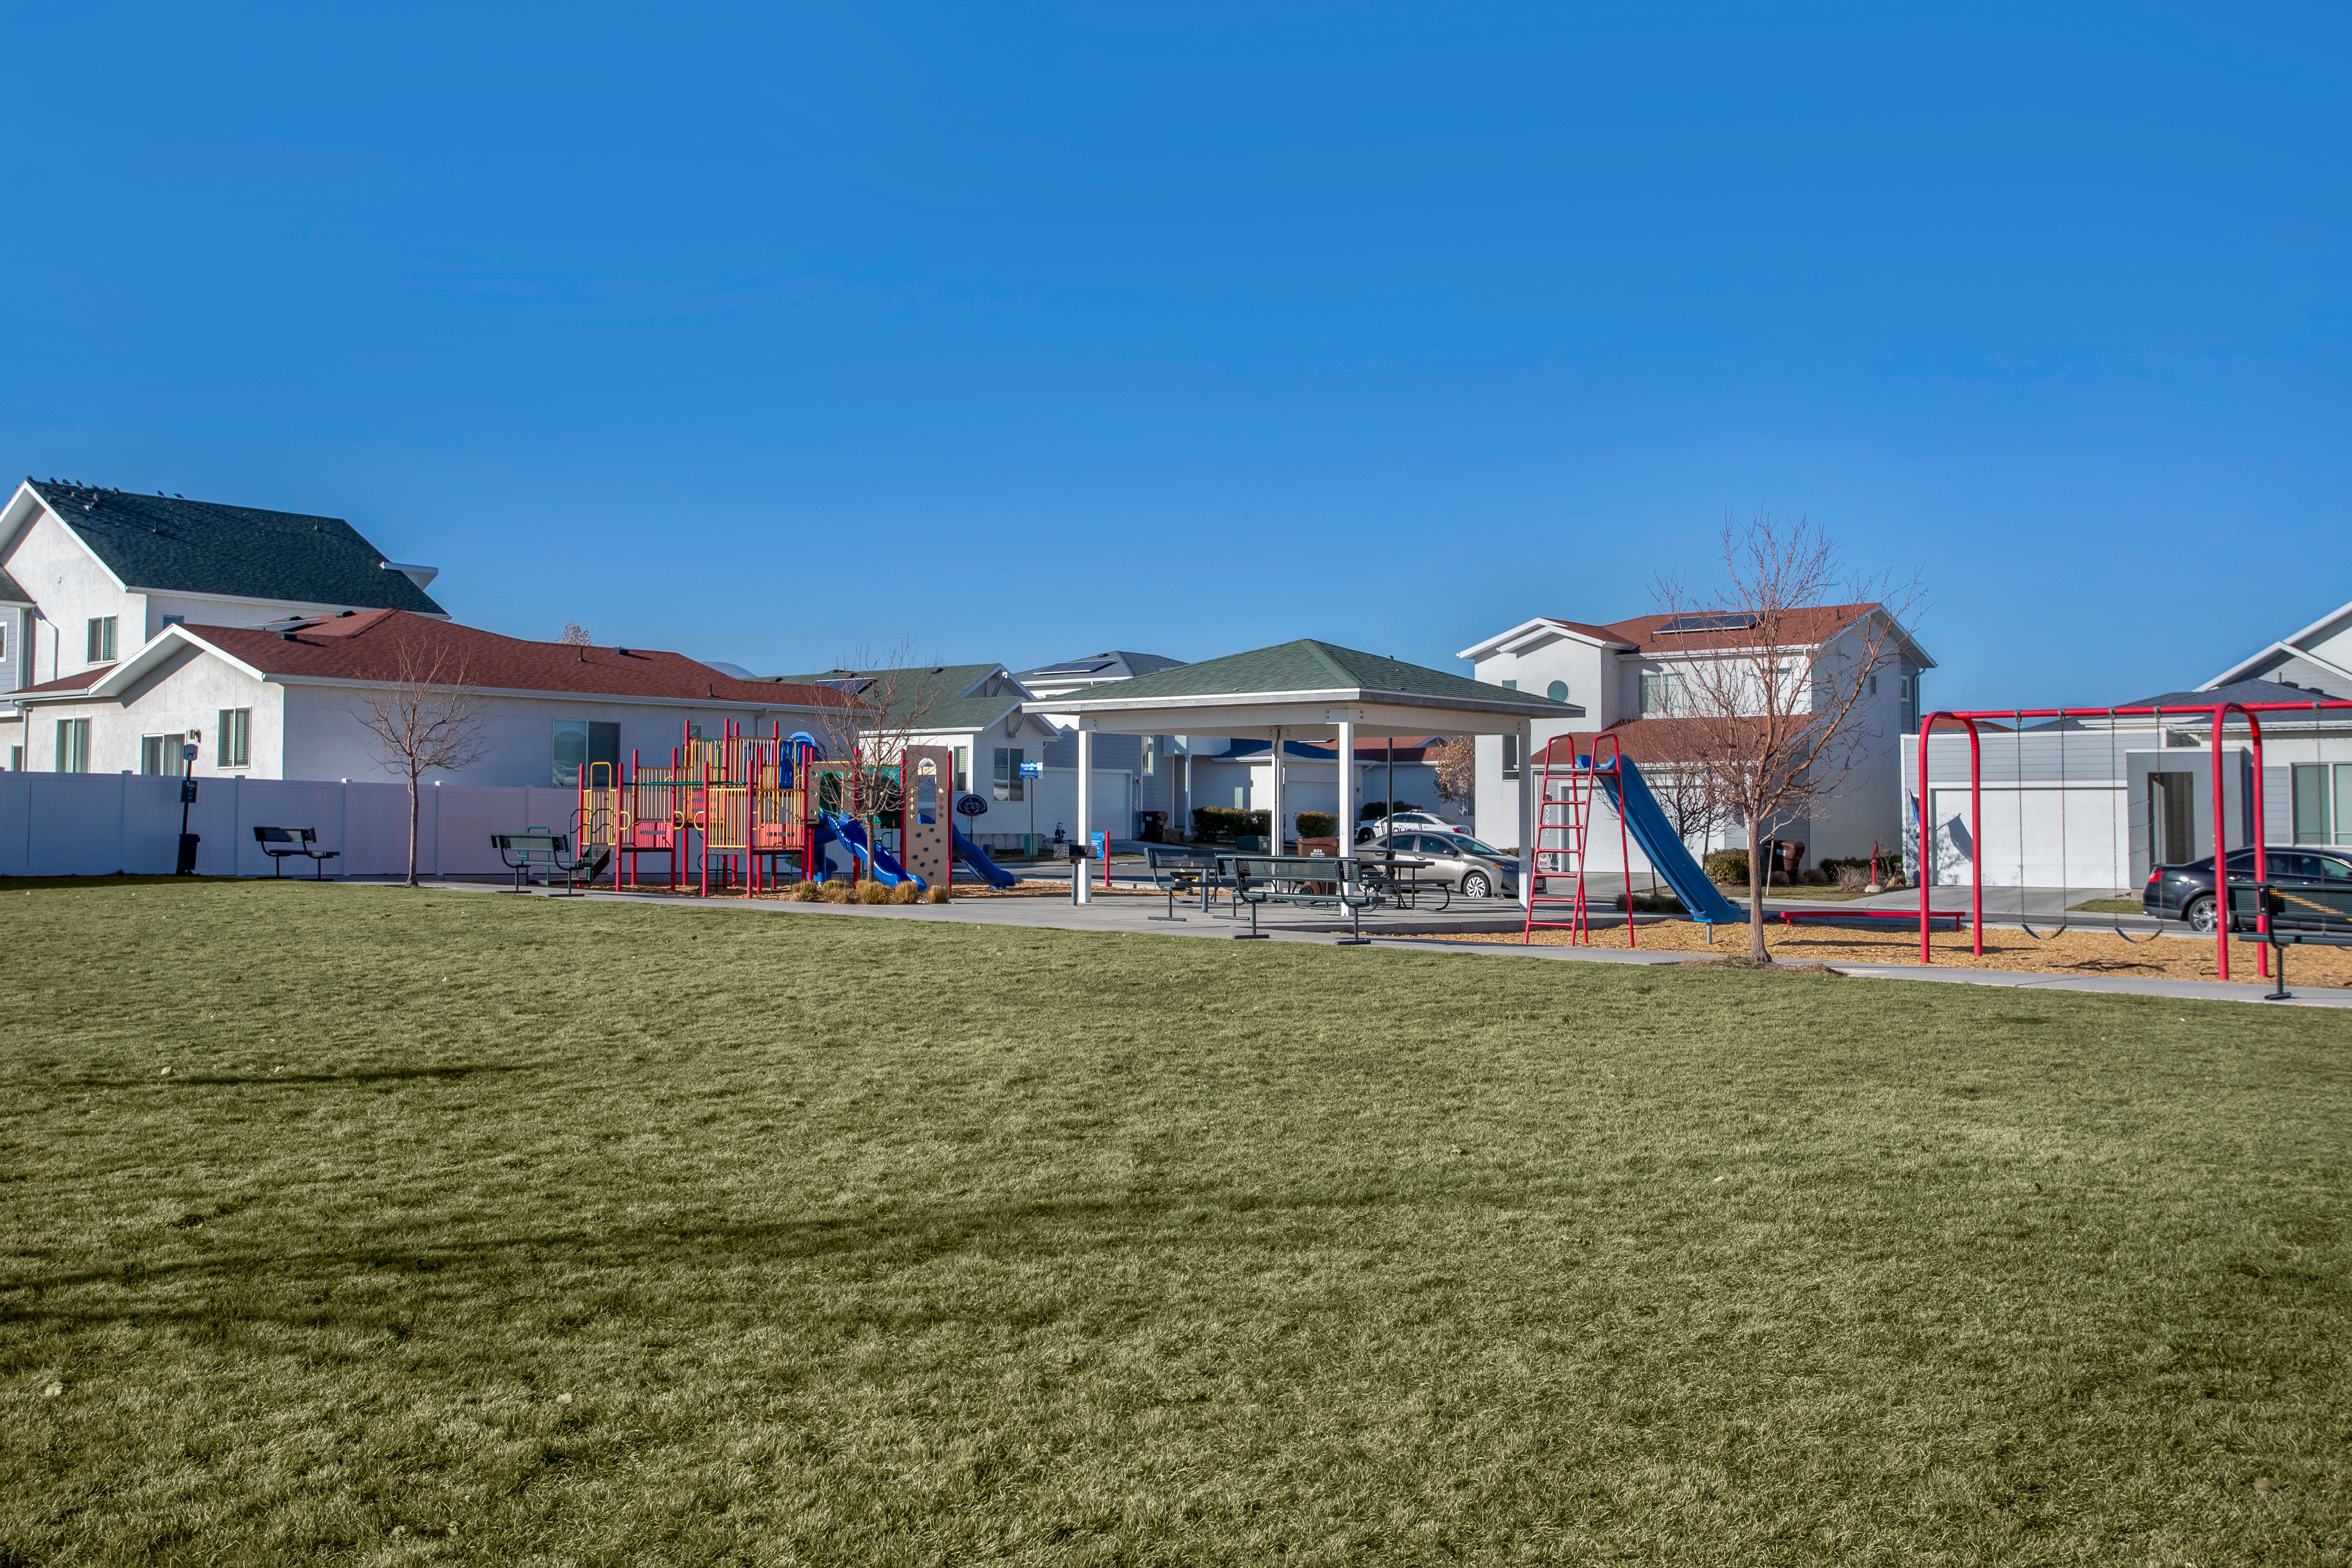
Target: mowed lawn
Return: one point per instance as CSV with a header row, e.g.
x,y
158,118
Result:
x,y
364,1225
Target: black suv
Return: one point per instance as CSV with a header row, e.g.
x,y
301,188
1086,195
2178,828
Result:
x,y
2185,892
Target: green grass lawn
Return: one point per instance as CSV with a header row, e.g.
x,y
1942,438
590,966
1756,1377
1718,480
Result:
x,y
365,1226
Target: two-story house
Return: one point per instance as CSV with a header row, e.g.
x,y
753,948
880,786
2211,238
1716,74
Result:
x,y
1635,679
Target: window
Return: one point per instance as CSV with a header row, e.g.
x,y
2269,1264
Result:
x,y
1151,755
1510,686
1910,704
175,620
4,639
1510,756
232,741
964,770
1874,683
571,750
73,745
2323,802
159,754
1008,772
1556,691
101,639
15,759
1661,694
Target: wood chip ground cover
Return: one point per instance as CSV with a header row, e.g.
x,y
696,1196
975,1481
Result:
x,y
355,1225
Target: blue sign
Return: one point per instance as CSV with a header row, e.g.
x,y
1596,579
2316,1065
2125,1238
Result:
x,y
1031,770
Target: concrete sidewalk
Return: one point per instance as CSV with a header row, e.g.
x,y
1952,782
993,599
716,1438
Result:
x,y
1422,931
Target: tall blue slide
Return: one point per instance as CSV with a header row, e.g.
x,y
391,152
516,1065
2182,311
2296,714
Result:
x,y
883,867
1657,836
975,857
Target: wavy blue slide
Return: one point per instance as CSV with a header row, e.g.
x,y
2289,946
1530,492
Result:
x,y
977,858
879,863
1657,836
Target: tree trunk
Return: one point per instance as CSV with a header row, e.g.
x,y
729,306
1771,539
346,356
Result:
x,y
1756,853
412,830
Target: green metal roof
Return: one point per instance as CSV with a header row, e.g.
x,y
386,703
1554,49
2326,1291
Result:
x,y
1308,665
940,691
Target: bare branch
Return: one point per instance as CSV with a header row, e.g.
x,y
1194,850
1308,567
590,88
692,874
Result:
x,y
890,702
424,719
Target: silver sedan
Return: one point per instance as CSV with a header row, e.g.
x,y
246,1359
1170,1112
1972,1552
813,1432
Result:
x,y
1480,870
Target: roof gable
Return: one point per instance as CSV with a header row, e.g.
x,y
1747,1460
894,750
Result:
x,y
1308,665
170,544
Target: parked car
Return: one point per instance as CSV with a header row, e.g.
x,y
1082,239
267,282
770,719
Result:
x,y
1479,870
1406,821
2185,892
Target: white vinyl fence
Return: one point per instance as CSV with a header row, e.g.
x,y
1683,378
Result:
x,y
94,825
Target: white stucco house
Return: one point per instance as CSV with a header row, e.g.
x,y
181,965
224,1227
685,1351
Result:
x,y
1628,677
284,702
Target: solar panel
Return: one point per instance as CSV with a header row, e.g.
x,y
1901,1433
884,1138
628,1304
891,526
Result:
x,y
1735,621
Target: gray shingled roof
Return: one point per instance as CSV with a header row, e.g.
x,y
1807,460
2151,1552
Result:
x,y
1308,665
1115,665
10,593
941,688
167,544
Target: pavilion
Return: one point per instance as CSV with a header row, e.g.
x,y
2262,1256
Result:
x,y
1302,690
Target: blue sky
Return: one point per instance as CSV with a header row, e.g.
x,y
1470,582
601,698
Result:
x,y
769,334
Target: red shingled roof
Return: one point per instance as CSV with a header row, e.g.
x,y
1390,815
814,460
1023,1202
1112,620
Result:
x,y
1807,628
386,645
64,683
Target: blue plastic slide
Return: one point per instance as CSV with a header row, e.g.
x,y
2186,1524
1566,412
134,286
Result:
x,y
879,862
1659,841
977,858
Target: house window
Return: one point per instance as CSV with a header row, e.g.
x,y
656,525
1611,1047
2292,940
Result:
x,y
1910,704
175,620
1556,691
1874,683
1510,686
233,740
15,759
964,770
1008,772
73,745
1510,756
4,639
101,639
1151,755
2323,802
159,755
1661,695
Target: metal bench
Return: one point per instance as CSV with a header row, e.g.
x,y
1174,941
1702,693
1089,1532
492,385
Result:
x,y
1178,870
282,844
2322,917
1299,879
548,854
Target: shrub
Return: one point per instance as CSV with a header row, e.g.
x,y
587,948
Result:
x,y
1728,867
836,892
906,893
938,893
1224,822
803,893
872,893
1318,824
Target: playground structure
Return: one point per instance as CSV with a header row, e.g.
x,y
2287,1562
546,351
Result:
x,y
1566,784
2216,716
754,812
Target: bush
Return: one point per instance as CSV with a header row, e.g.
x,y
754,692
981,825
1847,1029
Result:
x,y
803,893
1728,867
837,890
872,893
938,893
1318,824
906,893
1212,823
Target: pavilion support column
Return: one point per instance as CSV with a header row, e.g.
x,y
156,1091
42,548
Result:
x,y
1527,819
1274,834
1081,890
1345,756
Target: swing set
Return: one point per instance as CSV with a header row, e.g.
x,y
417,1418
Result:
x,y
2217,715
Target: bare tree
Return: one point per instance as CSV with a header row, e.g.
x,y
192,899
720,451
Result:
x,y
423,720
1457,764
1771,708
892,698
574,635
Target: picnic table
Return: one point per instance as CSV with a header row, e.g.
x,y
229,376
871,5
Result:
x,y
1306,879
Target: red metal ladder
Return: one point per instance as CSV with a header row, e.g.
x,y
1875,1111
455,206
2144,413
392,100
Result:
x,y
1563,820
